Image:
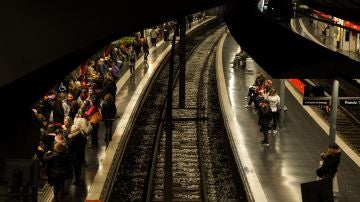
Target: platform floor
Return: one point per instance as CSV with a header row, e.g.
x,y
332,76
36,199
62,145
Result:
x,y
294,152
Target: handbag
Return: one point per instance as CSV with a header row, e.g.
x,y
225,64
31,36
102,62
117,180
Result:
x,y
96,117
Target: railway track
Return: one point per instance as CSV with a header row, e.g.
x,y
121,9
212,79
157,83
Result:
x,y
348,117
190,181
201,169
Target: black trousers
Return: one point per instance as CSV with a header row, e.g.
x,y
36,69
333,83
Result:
x,y
94,134
275,118
108,129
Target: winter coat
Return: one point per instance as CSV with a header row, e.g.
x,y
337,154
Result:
x,y
108,109
274,101
331,161
77,144
109,87
60,166
265,115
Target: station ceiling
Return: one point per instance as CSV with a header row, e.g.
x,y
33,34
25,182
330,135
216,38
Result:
x,y
42,41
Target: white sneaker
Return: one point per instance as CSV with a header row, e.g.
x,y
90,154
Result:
x,y
245,97
274,131
246,106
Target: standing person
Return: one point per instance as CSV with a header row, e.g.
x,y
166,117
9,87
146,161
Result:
x,y
331,162
77,144
68,121
265,117
153,36
108,111
109,85
132,60
190,19
94,117
60,169
274,102
115,71
137,45
145,48
166,31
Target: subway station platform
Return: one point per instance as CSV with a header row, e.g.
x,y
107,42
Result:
x,y
273,173
276,172
130,90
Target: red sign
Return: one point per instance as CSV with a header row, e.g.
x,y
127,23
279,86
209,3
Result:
x,y
351,25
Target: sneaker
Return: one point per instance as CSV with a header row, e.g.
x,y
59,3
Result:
x,y
245,97
246,106
265,143
274,131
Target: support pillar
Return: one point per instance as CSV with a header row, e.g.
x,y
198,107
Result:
x,y
182,58
168,180
282,102
334,106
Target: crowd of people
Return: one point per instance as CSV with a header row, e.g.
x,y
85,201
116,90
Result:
x,y
71,112
265,100
263,97
68,115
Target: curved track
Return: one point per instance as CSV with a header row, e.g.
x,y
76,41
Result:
x,y
202,164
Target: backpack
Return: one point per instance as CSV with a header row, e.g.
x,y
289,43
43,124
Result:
x,y
115,71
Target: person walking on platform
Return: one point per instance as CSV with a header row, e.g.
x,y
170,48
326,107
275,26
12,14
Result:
x,y
331,161
145,49
274,102
132,60
153,36
265,122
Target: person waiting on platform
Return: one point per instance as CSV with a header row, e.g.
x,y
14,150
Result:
x,y
240,59
132,59
153,36
76,149
108,111
331,161
145,48
94,117
265,120
60,169
274,102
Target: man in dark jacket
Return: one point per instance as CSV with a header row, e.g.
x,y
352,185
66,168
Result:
x,y
109,85
60,169
331,160
108,112
265,118
77,145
